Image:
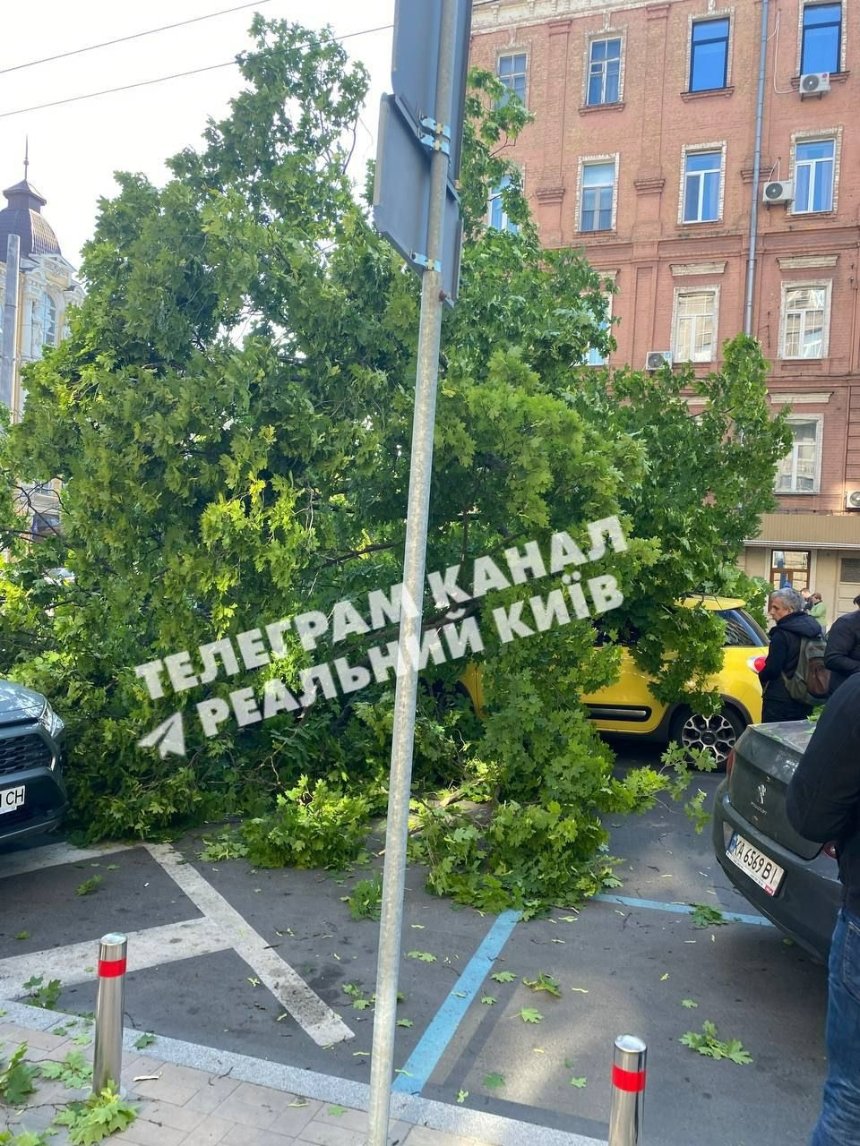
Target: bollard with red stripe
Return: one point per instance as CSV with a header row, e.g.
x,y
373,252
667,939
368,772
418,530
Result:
x,y
107,1064
628,1091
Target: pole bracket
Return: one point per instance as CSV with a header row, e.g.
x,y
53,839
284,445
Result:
x,y
437,136
427,264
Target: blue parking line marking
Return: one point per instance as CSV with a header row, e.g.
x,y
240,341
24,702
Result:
x,y
681,909
431,1046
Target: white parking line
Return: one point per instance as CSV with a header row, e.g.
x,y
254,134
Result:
x,y
76,963
317,1019
54,855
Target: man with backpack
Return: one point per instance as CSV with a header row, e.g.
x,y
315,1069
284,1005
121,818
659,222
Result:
x,y
786,692
842,655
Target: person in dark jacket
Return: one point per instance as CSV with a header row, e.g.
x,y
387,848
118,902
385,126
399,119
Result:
x,y
792,623
842,654
823,804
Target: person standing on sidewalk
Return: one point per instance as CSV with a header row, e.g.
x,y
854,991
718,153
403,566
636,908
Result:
x,y
792,623
823,804
818,610
842,655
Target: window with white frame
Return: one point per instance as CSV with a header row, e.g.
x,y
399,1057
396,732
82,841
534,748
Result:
x,y
814,170
511,70
805,318
695,334
49,322
597,195
594,356
821,38
703,176
604,72
498,216
798,470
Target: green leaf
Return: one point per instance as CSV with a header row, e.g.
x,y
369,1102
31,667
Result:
x,y
579,1082
489,1000
423,956
530,1015
544,982
74,1071
494,1080
100,1116
708,1043
503,976
704,916
405,1023
689,1003
89,885
145,1040
462,1095
16,1078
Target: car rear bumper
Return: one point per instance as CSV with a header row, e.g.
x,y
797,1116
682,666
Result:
x,y
45,803
806,905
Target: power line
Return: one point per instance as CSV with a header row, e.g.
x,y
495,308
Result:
x,y
111,91
133,36
161,79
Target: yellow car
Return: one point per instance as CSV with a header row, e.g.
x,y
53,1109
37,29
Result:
x,y
628,708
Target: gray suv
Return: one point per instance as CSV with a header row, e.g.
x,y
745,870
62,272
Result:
x,y
32,792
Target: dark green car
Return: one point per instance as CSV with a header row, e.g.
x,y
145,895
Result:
x,y
32,791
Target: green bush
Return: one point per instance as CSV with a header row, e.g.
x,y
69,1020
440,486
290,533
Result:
x,y
312,826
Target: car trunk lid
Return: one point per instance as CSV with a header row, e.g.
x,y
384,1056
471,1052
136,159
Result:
x,y
766,757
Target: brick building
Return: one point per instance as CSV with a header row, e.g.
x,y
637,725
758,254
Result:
x,y
644,153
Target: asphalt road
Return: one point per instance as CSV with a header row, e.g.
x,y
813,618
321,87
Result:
x,y
258,961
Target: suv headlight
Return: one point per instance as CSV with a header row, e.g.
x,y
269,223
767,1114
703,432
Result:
x,y
51,722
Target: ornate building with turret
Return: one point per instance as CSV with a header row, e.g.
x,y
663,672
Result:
x,y
37,287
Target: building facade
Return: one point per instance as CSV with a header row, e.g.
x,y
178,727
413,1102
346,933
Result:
x,y
37,286
704,156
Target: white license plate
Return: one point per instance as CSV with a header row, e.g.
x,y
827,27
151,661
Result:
x,y
11,799
755,864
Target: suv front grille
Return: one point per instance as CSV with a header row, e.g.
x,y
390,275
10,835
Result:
x,y
19,753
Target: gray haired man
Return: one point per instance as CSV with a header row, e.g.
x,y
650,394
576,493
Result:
x,y
787,608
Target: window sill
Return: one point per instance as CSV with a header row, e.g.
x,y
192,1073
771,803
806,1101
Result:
x,y
831,214
588,108
700,223
796,492
835,78
800,364
687,96
603,233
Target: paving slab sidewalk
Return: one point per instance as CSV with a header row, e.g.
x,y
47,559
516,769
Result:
x,y
218,1103
182,1106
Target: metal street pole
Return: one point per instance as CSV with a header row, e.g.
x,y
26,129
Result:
x,y
400,779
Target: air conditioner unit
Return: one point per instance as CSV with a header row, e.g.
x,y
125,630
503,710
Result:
x,y
657,358
852,499
780,191
814,83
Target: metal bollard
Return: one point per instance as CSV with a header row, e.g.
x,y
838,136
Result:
x,y
107,1064
628,1091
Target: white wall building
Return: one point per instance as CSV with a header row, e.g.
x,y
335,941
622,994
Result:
x,y
33,311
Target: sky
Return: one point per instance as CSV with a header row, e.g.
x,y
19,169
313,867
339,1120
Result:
x,y
75,147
